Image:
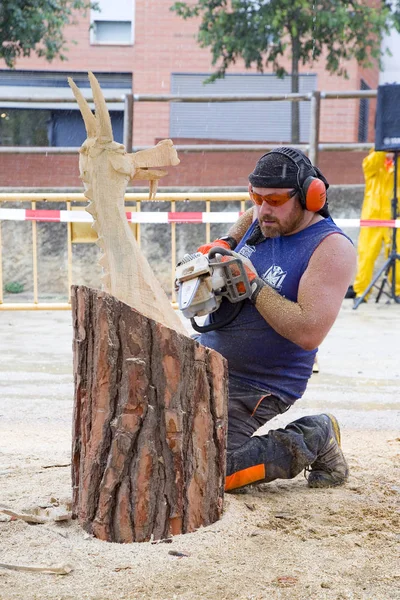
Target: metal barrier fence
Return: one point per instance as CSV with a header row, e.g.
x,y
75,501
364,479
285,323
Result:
x,y
135,216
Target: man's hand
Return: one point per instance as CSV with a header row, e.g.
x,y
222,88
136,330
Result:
x,y
256,283
227,242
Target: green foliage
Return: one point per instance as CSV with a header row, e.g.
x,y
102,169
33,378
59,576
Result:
x,y
14,287
37,26
260,31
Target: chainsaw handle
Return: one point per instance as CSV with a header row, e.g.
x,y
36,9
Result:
x,y
218,324
216,250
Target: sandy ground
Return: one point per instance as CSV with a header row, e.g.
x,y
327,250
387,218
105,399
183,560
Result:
x,y
277,541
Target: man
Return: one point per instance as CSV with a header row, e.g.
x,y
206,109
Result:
x,y
378,169
302,265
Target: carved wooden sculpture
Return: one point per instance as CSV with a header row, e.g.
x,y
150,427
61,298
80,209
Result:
x,y
148,451
106,169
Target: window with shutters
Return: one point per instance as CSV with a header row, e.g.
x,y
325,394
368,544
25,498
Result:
x,y
238,121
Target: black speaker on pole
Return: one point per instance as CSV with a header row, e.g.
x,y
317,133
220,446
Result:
x,y
387,128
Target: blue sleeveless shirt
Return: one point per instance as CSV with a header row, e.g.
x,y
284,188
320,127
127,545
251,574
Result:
x,y
256,353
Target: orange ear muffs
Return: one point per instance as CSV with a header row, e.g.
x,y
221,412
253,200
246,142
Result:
x,y
314,194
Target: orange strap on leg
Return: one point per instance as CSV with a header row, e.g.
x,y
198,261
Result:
x,y
244,477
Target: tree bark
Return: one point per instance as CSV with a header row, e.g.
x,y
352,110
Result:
x,y
149,428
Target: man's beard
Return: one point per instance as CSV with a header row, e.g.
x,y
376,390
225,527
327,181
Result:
x,y
286,227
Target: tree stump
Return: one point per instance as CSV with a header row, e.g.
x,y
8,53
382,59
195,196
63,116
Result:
x,y
149,428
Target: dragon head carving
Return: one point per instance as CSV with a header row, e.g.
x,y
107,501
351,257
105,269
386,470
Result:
x,y
139,165
105,169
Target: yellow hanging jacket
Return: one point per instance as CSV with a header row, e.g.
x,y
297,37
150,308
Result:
x,y
379,189
379,186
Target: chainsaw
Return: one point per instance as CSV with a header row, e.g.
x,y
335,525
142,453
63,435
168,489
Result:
x,y
203,281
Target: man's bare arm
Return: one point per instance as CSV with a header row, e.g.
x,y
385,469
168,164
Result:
x,y
239,228
321,291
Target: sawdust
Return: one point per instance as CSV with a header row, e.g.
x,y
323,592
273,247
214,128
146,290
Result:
x,y
279,540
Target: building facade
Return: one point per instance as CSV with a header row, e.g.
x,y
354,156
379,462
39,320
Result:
x,y
140,46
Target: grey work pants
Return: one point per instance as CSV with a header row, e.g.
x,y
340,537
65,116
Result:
x,y
249,409
279,454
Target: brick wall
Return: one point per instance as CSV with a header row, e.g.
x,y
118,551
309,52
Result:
x,y
195,169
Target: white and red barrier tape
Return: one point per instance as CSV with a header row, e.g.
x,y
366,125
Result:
x,y
77,216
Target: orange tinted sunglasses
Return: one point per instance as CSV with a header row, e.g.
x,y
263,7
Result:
x,y
276,199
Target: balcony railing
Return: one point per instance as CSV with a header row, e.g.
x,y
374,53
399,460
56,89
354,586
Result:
x,y
312,148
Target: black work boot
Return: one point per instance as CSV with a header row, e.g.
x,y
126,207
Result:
x,y
330,468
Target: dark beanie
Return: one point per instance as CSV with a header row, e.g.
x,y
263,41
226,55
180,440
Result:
x,y
276,170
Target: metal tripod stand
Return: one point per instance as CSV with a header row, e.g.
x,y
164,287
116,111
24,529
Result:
x,y
389,268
